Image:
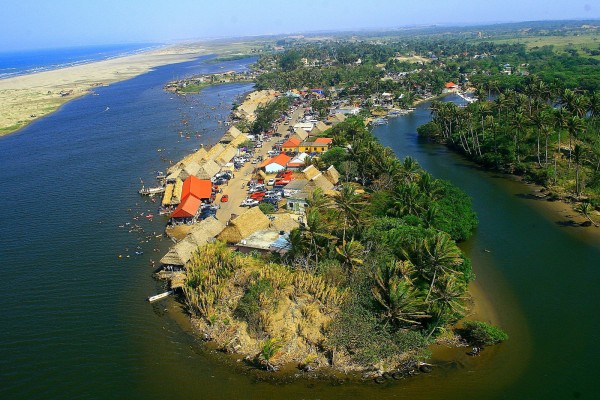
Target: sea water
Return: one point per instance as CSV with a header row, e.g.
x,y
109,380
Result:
x,y
29,61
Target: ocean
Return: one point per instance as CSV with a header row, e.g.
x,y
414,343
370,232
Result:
x,y
16,63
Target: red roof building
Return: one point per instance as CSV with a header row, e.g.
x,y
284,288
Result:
x,y
187,208
198,188
451,85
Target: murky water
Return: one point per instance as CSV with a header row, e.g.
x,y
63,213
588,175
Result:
x,y
75,320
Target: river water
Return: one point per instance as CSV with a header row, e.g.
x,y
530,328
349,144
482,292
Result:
x,y
75,320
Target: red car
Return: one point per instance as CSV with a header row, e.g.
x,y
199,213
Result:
x,y
257,195
225,198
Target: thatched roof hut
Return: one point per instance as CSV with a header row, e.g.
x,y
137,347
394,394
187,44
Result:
x,y
168,195
332,175
284,222
230,135
177,189
207,170
226,156
214,151
196,157
180,253
238,140
205,231
300,133
189,170
322,182
322,126
310,172
244,225
315,131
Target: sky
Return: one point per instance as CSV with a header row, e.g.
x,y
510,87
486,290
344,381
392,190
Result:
x,y
35,24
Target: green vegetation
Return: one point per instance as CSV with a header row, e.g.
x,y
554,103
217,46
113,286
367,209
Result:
x,y
266,115
482,334
544,133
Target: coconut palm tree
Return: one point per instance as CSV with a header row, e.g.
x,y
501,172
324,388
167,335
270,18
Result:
x,y
433,257
394,291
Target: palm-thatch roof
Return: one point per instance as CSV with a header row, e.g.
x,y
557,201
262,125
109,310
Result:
x,y
244,225
205,231
168,195
226,155
189,170
238,140
315,131
214,151
332,175
197,157
173,173
322,126
207,170
300,133
284,222
177,189
180,253
321,182
310,172
230,135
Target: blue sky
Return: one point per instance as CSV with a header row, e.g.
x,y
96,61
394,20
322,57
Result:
x,y
61,23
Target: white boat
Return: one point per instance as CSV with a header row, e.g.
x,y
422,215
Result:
x,y
150,191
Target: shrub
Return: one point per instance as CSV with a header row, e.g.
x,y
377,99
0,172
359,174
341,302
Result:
x,y
482,334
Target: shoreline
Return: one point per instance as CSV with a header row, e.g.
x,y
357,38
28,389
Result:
x,y
27,98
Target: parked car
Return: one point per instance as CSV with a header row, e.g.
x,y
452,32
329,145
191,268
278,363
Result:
x,y
225,198
271,182
250,203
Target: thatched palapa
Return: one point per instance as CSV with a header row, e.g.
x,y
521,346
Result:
x,y
196,157
168,195
207,170
230,135
180,253
321,182
310,172
238,141
225,157
177,189
332,175
205,231
189,170
244,225
214,151
284,222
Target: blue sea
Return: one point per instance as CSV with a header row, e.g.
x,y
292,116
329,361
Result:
x,y
29,61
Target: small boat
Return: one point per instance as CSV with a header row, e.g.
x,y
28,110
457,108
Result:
x,y
150,191
149,216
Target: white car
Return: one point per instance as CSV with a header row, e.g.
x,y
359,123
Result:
x,y
271,182
249,203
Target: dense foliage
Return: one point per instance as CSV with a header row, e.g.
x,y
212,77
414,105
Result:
x,y
382,236
482,334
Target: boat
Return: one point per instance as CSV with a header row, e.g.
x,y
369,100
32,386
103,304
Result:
x,y
144,191
160,175
379,121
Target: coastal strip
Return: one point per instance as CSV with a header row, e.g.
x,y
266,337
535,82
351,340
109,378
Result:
x,y
26,98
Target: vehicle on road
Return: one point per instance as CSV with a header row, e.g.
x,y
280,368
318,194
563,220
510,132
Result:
x,y
249,203
225,198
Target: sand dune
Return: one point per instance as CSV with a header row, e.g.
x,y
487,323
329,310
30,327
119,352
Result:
x,y
26,98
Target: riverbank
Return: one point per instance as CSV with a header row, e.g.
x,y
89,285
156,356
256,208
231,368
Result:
x,y
27,98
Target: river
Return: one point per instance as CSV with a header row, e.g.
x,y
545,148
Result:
x,y
75,320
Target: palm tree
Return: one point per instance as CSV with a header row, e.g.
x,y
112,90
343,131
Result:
x,y
351,254
350,206
579,154
394,291
585,208
574,125
434,256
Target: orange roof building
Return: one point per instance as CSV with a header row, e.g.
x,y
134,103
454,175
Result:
x,y
198,188
291,145
275,164
323,140
451,85
187,208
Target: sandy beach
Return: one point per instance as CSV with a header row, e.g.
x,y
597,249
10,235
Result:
x,y
28,97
